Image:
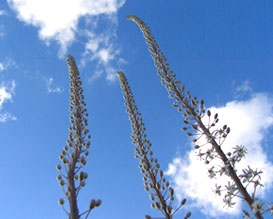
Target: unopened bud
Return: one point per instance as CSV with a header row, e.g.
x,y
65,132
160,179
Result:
x,y
92,204
98,203
61,201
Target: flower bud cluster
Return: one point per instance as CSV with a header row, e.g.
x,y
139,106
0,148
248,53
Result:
x,y
75,152
159,189
193,111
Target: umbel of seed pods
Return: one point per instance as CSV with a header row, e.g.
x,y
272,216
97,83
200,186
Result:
x,y
193,111
159,189
74,153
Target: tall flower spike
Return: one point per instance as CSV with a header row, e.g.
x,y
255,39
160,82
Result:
x,y
192,109
74,154
161,194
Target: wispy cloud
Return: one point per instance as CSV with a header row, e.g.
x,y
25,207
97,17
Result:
x,y
6,93
52,89
58,20
101,48
249,121
7,62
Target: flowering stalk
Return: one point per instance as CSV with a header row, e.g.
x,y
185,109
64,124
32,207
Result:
x,y
193,111
160,192
74,154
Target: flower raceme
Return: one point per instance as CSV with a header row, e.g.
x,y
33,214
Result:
x,y
74,154
193,112
159,189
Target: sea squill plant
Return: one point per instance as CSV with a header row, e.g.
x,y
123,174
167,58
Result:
x,y
74,153
159,189
193,112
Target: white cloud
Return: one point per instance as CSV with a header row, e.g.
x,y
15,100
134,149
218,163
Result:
x,y
244,87
6,63
2,12
50,88
249,121
4,117
101,48
6,92
58,20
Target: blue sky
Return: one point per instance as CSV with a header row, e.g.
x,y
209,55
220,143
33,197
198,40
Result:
x,y
221,50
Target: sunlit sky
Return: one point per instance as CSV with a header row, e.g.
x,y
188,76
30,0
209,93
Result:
x,y
221,50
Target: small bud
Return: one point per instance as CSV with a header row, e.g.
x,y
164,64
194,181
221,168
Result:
x,y
228,130
59,167
147,217
183,201
160,173
196,146
208,113
157,204
169,209
61,202
157,185
188,214
246,213
171,191
61,183
98,203
92,204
